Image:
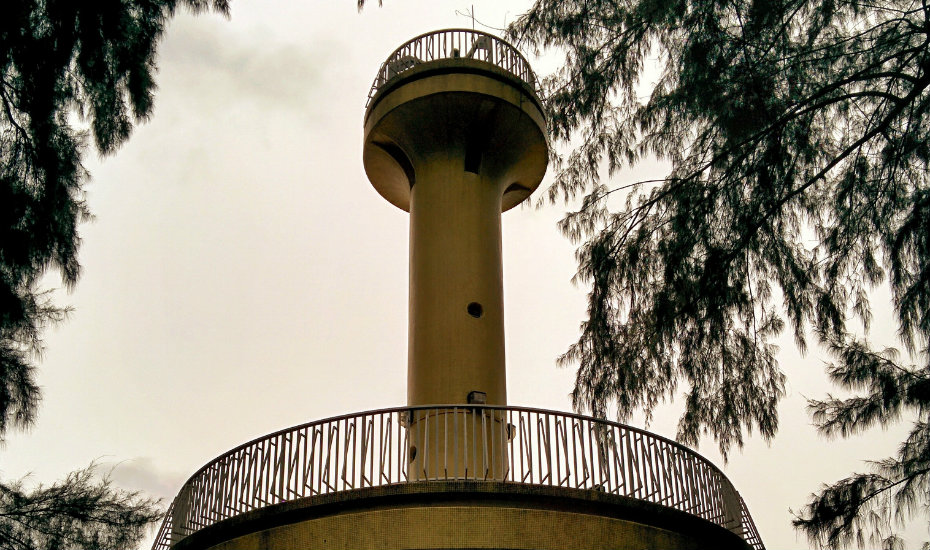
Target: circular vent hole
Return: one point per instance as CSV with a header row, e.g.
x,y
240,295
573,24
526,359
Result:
x,y
475,310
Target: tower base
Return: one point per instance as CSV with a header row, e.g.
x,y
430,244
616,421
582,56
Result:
x,y
441,515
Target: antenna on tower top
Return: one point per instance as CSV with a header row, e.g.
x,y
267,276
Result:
x,y
471,15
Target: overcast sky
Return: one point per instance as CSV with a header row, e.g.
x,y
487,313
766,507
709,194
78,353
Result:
x,y
242,275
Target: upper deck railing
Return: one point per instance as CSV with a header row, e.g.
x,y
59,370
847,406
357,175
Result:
x,y
454,44
455,442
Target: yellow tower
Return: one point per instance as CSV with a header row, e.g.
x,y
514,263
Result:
x,y
455,134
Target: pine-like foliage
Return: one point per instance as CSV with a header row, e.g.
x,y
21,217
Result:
x,y
83,512
798,137
864,508
60,59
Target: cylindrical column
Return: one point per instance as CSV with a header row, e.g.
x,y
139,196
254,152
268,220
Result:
x,y
456,325
455,148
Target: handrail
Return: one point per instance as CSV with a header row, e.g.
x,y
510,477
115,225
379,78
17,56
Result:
x,y
454,44
455,442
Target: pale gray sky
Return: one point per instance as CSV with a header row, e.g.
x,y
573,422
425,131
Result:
x,y
243,276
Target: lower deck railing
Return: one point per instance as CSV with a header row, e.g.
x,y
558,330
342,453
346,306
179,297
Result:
x,y
455,442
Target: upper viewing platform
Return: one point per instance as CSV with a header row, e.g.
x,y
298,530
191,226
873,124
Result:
x,y
456,94
458,49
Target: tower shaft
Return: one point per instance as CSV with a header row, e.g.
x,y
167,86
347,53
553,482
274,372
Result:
x,y
456,324
455,142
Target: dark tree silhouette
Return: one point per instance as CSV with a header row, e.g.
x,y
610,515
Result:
x,y
797,133
82,512
69,70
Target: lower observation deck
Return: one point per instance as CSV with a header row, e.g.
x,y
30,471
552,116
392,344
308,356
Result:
x,y
452,455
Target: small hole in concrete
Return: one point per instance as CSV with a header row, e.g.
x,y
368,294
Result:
x,y
475,310
413,453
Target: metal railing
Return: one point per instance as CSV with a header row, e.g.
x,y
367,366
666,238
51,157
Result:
x,y
455,442
454,44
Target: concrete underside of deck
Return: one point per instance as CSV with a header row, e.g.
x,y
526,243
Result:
x,y
464,515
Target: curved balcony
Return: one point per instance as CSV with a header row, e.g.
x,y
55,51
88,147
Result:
x,y
462,45
467,443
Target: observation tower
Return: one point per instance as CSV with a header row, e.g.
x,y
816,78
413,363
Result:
x,y
455,134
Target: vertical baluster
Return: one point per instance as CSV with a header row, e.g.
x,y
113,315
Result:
x,y
706,500
511,436
334,454
633,464
687,471
401,444
218,489
221,489
268,469
682,480
523,441
619,478
384,448
490,442
434,470
386,445
310,469
549,444
259,472
473,444
483,442
232,500
246,479
340,429
455,418
713,485
591,458
445,445
348,454
367,428
575,445
713,494
558,461
206,498
424,460
672,469
291,457
280,468
353,451
252,474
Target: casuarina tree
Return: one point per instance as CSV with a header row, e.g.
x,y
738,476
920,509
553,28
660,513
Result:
x,y
797,136
73,75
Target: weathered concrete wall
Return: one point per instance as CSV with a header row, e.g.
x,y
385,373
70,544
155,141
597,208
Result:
x,y
440,515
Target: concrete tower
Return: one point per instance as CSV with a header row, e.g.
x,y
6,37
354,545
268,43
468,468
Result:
x,y
455,134
455,139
